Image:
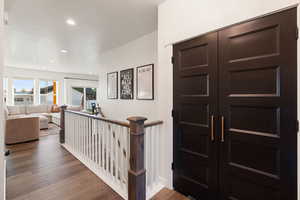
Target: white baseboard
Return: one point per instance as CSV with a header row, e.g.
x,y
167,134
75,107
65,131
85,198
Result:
x,y
154,190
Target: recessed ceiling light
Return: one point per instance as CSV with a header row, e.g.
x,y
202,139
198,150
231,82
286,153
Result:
x,y
64,51
71,22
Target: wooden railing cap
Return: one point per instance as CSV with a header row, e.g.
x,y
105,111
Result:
x,y
136,119
120,123
154,123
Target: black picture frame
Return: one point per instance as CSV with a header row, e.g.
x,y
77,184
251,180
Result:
x,y
116,96
151,86
127,84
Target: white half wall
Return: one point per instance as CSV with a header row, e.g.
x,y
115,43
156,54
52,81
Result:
x,y
180,20
13,72
136,53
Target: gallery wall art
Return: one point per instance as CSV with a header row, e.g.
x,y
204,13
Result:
x,y
145,82
127,84
112,85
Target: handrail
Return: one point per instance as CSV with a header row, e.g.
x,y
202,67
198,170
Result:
x,y
120,123
154,123
125,124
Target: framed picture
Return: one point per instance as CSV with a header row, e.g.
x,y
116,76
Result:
x,y
112,85
145,82
126,83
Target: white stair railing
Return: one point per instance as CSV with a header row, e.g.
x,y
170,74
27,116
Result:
x,y
100,145
104,147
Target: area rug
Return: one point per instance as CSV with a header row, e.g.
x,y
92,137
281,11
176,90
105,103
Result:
x,y
52,130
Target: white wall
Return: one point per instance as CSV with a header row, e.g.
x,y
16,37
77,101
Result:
x,y
2,162
179,20
136,53
13,72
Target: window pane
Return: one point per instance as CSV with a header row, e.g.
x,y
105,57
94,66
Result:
x,y
23,92
49,99
43,99
23,100
48,88
77,96
91,95
43,87
23,87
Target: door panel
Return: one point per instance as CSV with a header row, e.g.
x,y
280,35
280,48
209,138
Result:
x,y
195,101
258,88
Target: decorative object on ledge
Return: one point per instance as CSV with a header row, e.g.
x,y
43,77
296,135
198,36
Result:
x,y
126,83
145,82
112,85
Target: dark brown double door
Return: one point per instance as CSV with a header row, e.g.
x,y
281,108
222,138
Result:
x,y
235,112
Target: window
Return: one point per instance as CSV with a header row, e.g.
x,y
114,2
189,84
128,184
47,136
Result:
x,y
84,96
48,92
77,96
23,92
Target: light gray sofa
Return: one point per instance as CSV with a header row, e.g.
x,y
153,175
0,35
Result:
x,y
23,123
43,112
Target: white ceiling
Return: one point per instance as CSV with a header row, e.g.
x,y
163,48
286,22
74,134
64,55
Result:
x,y
36,31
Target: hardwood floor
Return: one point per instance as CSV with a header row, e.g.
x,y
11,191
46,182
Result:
x,y
43,170
167,194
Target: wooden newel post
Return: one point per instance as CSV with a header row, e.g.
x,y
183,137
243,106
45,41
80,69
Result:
x,y
62,124
137,171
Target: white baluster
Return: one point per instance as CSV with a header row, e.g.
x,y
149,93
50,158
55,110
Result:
x,y
106,147
86,137
102,143
127,155
117,158
146,154
92,141
111,150
99,143
72,132
80,134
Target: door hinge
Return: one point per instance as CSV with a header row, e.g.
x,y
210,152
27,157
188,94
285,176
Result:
x,y
173,166
297,126
297,33
173,113
173,60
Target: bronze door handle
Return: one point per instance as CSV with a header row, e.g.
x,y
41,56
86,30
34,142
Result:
x,y
212,136
222,129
